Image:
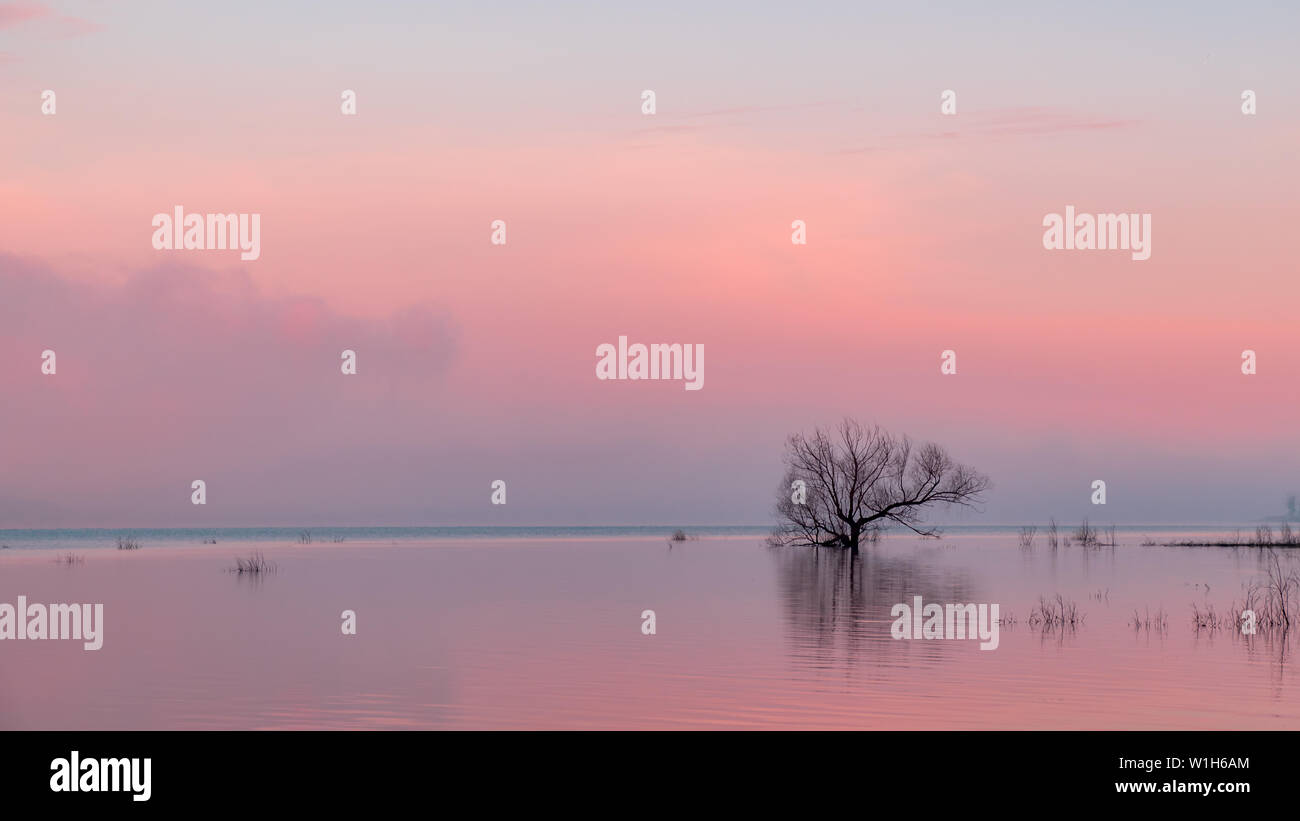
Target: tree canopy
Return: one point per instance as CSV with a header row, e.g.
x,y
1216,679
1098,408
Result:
x,y
848,483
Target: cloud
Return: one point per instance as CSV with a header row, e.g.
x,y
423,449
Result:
x,y
179,371
692,121
1038,120
48,22
759,109
68,26
177,327
1024,121
13,14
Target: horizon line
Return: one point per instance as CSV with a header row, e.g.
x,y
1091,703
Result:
x,y
941,527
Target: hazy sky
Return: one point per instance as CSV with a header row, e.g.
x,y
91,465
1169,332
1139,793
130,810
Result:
x,y
477,362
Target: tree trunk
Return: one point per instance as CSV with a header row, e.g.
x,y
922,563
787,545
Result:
x,y
855,533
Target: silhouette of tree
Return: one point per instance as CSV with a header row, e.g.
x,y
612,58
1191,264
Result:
x,y
859,479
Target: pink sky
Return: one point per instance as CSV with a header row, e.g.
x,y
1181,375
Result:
x,y
476,362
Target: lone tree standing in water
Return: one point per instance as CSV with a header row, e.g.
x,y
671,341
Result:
x,y
855,480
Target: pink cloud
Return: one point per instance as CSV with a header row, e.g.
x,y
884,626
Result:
x,y
180,369
1039,120
67,26
1021,121
51,24
12,14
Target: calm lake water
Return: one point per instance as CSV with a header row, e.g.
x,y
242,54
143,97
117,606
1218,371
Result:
x,y
467,630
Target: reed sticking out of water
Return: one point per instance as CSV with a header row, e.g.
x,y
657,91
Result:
x,y
254,565
304,537
127,544
1286,537
1053,537
1027,536
1281,591
1148,621
1274,602
1055,612
69,559
1209,619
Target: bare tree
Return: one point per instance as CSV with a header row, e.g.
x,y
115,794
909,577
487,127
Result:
x,y
851,482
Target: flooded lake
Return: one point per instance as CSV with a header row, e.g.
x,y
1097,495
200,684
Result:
x,y
544,631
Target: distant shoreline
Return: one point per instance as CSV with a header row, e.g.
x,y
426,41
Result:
x,y
11,539
656,528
